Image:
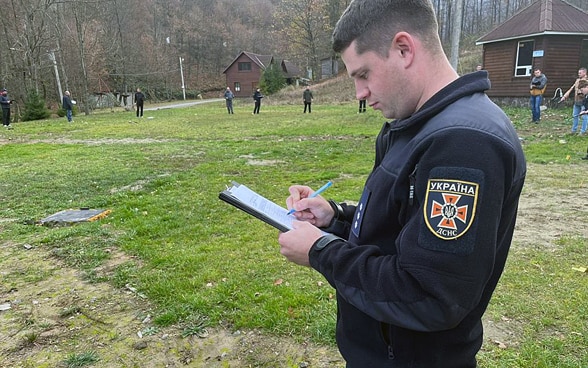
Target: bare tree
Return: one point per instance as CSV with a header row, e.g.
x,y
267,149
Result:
x,y
303,24
456,32
27,37
109,45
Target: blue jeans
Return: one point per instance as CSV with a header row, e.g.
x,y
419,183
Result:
x,y
68,113
575,117
536,107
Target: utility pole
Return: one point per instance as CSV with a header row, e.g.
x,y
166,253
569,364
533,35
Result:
x,y
52,57
182,74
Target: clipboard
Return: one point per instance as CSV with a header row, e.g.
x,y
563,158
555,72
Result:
x,y
257,206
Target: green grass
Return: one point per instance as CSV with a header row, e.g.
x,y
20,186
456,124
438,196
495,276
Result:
x,y
81,360
203,263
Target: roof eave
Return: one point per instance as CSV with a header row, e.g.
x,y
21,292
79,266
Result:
x,y
550,33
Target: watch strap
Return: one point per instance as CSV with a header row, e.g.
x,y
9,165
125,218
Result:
x,y
325,240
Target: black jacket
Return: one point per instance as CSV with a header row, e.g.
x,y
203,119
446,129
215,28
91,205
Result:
x,y
139,98
429,238
66,103
5,102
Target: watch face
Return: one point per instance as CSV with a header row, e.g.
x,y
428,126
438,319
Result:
x,y
321,244
325,240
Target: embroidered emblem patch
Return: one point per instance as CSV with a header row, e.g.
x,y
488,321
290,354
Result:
x,y
450,207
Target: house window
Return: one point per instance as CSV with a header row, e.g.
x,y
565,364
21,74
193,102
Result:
x,y
524,64
237,87
244,66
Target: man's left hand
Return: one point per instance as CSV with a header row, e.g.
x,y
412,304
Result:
x,y
296,243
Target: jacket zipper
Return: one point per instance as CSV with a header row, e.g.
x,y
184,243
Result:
x,y
386,335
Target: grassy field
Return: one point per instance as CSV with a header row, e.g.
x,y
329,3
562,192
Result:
x,y
204,264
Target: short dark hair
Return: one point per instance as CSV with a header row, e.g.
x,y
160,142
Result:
x,y
582,83
375,23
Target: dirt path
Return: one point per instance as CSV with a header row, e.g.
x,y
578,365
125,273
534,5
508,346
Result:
x,y
54,313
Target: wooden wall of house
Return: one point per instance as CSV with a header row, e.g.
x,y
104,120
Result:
x,y
249,80
564,61
559,63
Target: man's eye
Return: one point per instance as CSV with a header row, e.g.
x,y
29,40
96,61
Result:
x,y
363,76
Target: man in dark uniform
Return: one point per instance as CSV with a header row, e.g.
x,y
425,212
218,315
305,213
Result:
x,y
416,261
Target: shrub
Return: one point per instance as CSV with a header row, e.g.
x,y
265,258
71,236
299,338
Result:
x,y
35,108
272,80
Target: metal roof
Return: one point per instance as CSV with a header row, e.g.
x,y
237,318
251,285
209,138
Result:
x,y
543,17
263,61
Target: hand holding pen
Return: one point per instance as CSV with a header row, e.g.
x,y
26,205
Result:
x,y
296,191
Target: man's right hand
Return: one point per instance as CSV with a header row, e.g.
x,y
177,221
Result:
x,y
316,211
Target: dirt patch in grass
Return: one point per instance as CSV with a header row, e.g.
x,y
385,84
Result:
x,y
54,314
48,313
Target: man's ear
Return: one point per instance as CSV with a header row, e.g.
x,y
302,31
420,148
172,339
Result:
x,y
404,45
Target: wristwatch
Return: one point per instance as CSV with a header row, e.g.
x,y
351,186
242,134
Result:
x,y
324,241
337,209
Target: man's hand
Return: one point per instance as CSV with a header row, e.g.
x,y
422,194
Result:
x,y
316,211
296,243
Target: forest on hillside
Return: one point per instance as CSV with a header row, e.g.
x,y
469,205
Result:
x,y
95,47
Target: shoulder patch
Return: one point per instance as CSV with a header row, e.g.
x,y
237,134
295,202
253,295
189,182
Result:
x,y
450,207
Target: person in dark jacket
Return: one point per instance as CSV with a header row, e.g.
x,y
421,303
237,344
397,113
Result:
x,y
67,105
362,106
5,101
257,96
139,102
307,99
229,100
415,262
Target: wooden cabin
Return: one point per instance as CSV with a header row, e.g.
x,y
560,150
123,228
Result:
x,y
551,35
244,72
291,72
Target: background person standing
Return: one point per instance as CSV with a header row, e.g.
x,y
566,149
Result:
x,y
537,88
5,101
578,97
139,101
257,96
229,100
307,98
67,105
583,87
362,104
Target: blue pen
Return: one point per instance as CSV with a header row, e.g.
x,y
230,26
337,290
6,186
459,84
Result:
x,y
319,191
